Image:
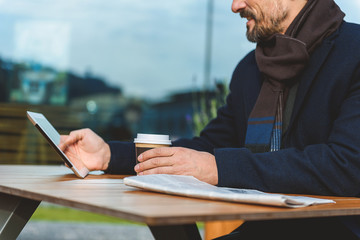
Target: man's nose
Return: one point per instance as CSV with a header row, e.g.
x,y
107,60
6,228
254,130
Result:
x,y
238,5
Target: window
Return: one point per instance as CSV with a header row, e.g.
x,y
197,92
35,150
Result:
x,y
118,67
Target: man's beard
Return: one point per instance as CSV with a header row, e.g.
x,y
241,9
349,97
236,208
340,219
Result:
x,y
265,26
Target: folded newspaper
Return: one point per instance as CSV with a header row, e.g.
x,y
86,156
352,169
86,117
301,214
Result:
x,y
191,187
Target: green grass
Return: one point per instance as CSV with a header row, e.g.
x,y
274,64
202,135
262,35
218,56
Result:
x,y
63,214
54,213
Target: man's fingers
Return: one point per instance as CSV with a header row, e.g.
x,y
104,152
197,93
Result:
x,y
153,163
76,135
156,152
159,170
73,137
63,144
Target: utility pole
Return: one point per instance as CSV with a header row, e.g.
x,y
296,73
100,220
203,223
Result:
x,y
208,44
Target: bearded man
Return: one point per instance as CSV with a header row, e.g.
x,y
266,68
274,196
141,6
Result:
x,y
291,122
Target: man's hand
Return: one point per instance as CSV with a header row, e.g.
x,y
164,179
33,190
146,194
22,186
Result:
x,y
178,161
85,146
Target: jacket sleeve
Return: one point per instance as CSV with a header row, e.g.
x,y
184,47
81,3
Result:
x,y
122,159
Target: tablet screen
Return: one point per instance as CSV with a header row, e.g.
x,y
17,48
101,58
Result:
x,y
53,137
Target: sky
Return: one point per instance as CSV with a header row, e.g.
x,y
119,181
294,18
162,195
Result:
x,y
148,48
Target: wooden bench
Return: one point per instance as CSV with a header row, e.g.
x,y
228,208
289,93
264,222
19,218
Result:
x,y
21,143
219,228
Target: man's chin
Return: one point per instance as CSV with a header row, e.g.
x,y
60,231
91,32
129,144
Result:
x,y
251,37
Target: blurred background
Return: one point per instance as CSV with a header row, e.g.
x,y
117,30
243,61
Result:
x,y
117,67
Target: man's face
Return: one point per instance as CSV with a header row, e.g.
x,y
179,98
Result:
x,y
265,17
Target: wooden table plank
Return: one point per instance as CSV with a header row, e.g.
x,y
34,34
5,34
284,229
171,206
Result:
x,y
106,194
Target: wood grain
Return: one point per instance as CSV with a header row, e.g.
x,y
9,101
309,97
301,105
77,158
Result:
x,y
106,194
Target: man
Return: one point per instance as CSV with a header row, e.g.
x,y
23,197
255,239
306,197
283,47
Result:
x,y
291,122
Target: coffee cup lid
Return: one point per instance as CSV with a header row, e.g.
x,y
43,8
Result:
x,y
152,138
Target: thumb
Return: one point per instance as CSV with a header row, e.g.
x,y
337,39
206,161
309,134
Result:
x,y
62,145
68,140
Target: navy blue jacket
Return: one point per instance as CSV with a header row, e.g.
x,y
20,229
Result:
x,y
321,153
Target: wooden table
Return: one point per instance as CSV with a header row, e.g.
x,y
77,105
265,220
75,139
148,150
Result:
x,y
22,188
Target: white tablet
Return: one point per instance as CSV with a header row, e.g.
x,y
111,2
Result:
x,y
53,138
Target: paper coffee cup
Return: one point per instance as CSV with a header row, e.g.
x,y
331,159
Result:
x,y
144,142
